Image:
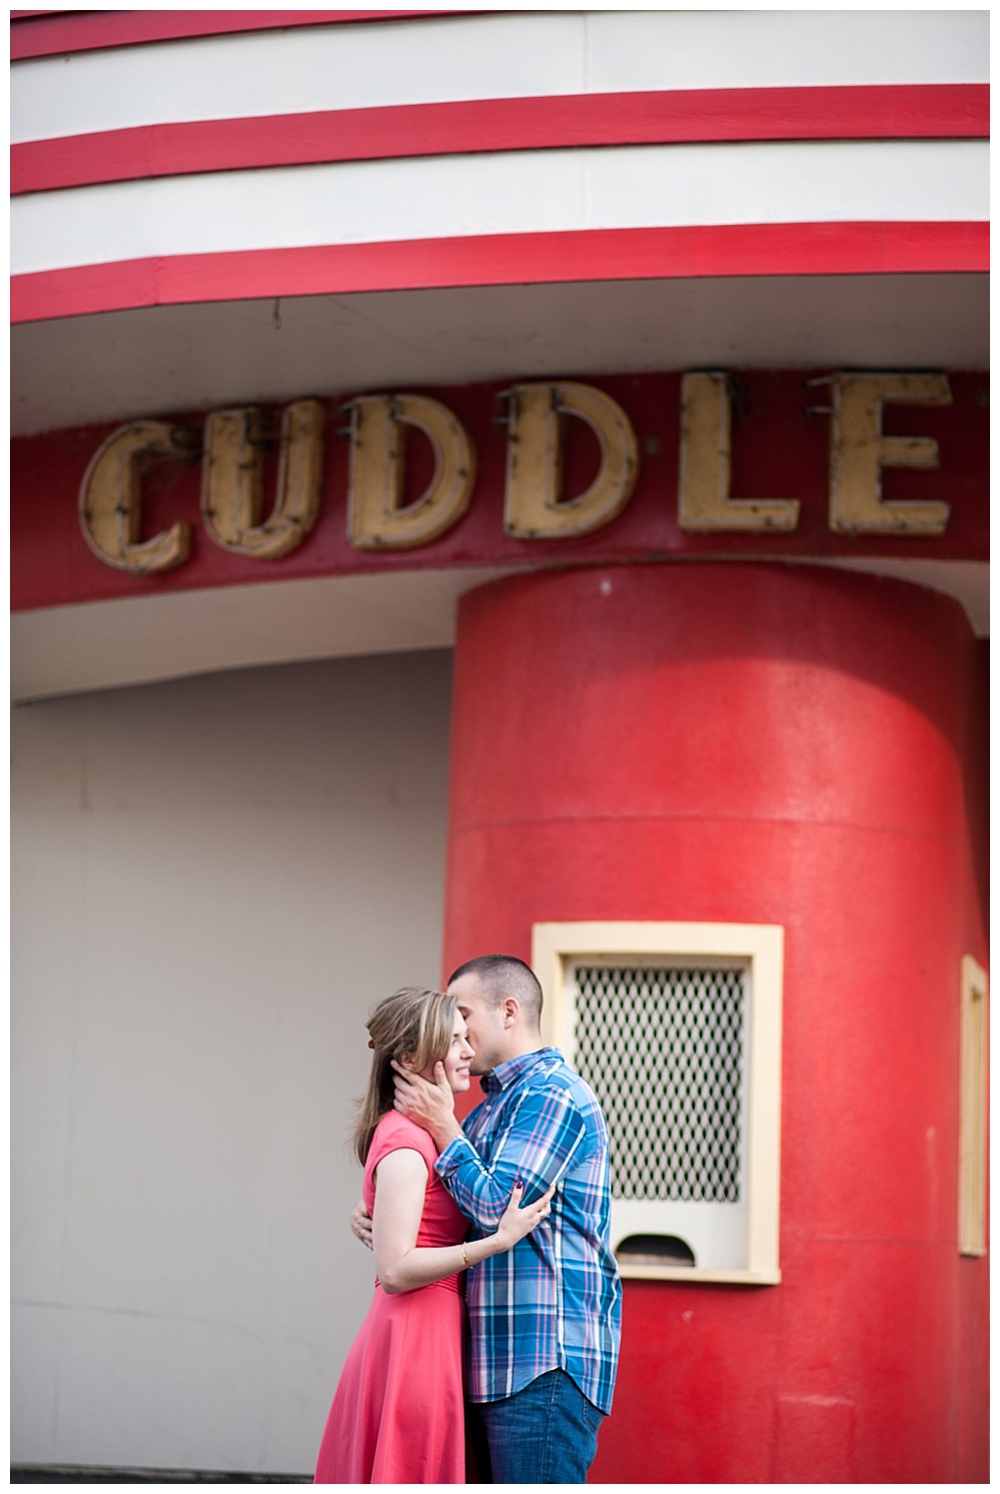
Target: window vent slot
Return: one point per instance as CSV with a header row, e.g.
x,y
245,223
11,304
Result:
x,y
655,1250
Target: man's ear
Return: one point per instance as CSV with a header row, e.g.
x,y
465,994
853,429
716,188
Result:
x,y
512,1010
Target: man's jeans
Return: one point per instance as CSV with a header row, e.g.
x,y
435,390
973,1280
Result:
x,y
545,1434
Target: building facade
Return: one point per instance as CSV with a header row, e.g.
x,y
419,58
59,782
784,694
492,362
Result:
x,y
503,481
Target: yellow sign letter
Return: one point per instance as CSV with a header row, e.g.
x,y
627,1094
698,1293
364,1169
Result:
x,y
859,451
705,471
232,484
535,508
110,504
375,518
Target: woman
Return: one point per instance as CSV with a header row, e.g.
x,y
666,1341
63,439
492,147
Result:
x,y
398,1414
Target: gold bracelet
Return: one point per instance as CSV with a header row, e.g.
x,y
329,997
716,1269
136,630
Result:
x,y
464,1256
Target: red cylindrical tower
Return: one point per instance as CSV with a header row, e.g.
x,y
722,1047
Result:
x,y
782,745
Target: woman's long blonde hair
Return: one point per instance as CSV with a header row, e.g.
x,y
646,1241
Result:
x,y
414,1024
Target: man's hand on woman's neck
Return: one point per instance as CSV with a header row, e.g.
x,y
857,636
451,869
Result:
x,y
431,1105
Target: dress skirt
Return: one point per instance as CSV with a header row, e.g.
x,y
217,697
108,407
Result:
x,y
398,1414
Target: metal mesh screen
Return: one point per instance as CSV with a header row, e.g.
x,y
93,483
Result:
x,y
663,1051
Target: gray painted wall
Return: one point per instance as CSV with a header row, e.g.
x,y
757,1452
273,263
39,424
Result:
x,y
214,880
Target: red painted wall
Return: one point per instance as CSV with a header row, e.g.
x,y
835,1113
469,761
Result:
x,y
763,744
779,451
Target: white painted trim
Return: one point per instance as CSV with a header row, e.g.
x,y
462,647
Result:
x,y
556,945
138,640
514,55
432,197
686,1273
157,360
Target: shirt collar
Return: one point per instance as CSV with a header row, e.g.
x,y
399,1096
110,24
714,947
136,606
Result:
x,y
508,1073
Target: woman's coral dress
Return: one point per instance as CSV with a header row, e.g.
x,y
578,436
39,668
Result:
x,y
398,1414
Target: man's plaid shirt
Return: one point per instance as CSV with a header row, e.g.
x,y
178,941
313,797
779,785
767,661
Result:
x,y
554,1301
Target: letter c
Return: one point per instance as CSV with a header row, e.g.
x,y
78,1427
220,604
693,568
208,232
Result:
x,y
110,504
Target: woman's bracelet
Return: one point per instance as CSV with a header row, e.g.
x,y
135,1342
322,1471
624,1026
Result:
x,y
464,1256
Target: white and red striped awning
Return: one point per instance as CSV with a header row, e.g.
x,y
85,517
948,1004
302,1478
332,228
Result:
x,y
600,168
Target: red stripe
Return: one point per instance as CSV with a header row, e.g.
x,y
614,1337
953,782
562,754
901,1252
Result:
x,y
506,259
41,34
919,111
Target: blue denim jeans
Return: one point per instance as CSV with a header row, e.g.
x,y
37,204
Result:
x,y
545,1434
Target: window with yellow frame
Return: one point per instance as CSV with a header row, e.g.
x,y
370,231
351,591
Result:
x,y
677,1028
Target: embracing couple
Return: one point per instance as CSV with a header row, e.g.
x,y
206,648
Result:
x,y
514,1207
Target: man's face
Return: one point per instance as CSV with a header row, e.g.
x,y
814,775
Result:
x,y
484,1020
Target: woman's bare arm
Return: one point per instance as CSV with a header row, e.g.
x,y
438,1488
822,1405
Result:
x,y
402,1266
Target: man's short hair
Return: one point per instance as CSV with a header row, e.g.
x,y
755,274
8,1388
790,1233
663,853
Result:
x,y
505,975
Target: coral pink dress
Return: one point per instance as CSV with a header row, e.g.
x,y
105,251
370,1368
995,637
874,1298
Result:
x,y
398,1414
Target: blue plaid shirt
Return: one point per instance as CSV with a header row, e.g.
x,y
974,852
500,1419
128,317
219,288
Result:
x,y
554,1301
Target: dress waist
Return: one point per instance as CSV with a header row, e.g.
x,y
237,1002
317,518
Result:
x,y
452,1284
449,1284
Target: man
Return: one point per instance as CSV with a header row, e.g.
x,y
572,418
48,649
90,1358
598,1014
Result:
x,y
545,1318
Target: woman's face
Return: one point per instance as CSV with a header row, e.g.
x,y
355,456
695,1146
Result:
x,y
457,1059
